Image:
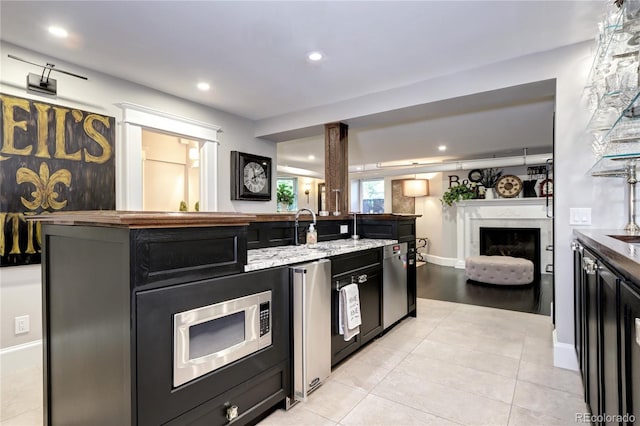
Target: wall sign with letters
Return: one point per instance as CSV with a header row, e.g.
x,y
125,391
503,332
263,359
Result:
x,y
52,158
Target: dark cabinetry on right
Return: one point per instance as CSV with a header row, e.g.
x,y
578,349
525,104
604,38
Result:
x,y
607,338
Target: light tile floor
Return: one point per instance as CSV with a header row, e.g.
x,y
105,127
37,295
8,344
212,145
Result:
x,y
453,365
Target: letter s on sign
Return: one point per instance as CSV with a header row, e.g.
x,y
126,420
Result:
x,y
99,138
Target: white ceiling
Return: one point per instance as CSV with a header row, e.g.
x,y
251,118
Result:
x,y
253,53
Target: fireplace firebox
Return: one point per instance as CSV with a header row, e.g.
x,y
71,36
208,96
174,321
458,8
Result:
x,y
514,242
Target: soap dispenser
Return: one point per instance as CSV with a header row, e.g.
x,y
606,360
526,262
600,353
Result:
x,y
312,236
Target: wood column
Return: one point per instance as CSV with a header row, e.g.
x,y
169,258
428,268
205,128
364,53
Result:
x,y
336,162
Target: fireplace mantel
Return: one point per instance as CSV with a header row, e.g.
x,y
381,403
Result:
x,y
501,212
503,202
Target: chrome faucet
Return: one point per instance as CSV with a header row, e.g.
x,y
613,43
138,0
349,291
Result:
x,y
295,227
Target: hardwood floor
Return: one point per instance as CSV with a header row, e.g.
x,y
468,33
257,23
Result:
x,y
451,285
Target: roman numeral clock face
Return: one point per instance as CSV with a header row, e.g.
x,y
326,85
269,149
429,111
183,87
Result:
x,y
255,177
509,186
250,177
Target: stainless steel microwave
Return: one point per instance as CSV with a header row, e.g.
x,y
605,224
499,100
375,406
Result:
x,y
213,336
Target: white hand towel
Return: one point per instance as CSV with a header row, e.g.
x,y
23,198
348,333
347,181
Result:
x,y
349,311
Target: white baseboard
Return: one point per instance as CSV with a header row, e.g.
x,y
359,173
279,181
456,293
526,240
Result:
x,y
564,355
442,261
20,356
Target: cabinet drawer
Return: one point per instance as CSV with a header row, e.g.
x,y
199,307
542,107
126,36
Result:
x,y
178,255
350,262
251,398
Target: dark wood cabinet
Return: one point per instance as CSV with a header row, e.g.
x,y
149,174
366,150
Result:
x,y
630,351
579,309
371,305
592,369
607,328
398,228
365,269
609,343
109,295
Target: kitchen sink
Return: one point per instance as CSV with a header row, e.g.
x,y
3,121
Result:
x,y
627,238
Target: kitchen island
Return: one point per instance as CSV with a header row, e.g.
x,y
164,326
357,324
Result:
x,y
118,286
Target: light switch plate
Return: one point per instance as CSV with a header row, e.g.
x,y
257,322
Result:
x,y
344,229
579,216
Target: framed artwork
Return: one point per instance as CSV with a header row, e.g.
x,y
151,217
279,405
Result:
x,y
251,177
400,203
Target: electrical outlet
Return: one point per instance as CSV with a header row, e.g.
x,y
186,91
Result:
x,y
344,229
22,324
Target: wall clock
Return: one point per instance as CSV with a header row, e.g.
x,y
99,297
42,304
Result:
x,y
509,186
546,188
250,177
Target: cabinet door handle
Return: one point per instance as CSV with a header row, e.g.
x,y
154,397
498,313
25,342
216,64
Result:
x,y
589,266
362,279
637,321
232,412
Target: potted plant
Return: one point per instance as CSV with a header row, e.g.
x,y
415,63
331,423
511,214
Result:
x,y
284,196
457,193
489,179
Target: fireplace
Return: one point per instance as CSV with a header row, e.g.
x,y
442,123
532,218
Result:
x,y
514,242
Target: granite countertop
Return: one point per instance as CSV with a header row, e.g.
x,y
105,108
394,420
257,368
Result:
x,y
288,255
622,255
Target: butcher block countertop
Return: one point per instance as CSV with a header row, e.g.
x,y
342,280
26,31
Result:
x,y
136,219
132,219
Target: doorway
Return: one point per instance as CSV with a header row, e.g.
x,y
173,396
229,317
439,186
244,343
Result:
x,y
170,172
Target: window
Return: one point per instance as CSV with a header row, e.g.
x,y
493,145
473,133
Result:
x,y
372,192
290,186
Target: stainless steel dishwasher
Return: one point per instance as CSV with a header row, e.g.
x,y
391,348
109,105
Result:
x,y
395,302
311,327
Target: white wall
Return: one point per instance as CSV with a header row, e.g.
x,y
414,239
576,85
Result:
x,y
20,294
19,286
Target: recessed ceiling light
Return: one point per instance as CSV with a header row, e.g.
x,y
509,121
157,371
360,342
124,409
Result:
x,y
315,56
58,31
203,86
442,148
311,157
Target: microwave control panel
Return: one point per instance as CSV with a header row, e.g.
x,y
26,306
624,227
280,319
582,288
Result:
x,y
265,319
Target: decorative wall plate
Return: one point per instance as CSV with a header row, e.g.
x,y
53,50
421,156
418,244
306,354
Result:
x,y
509,186
475,175
250,177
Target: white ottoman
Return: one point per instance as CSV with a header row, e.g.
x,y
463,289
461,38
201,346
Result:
x,y
504,270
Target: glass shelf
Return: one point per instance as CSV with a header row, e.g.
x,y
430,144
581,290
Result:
x,y
613,93
612,166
